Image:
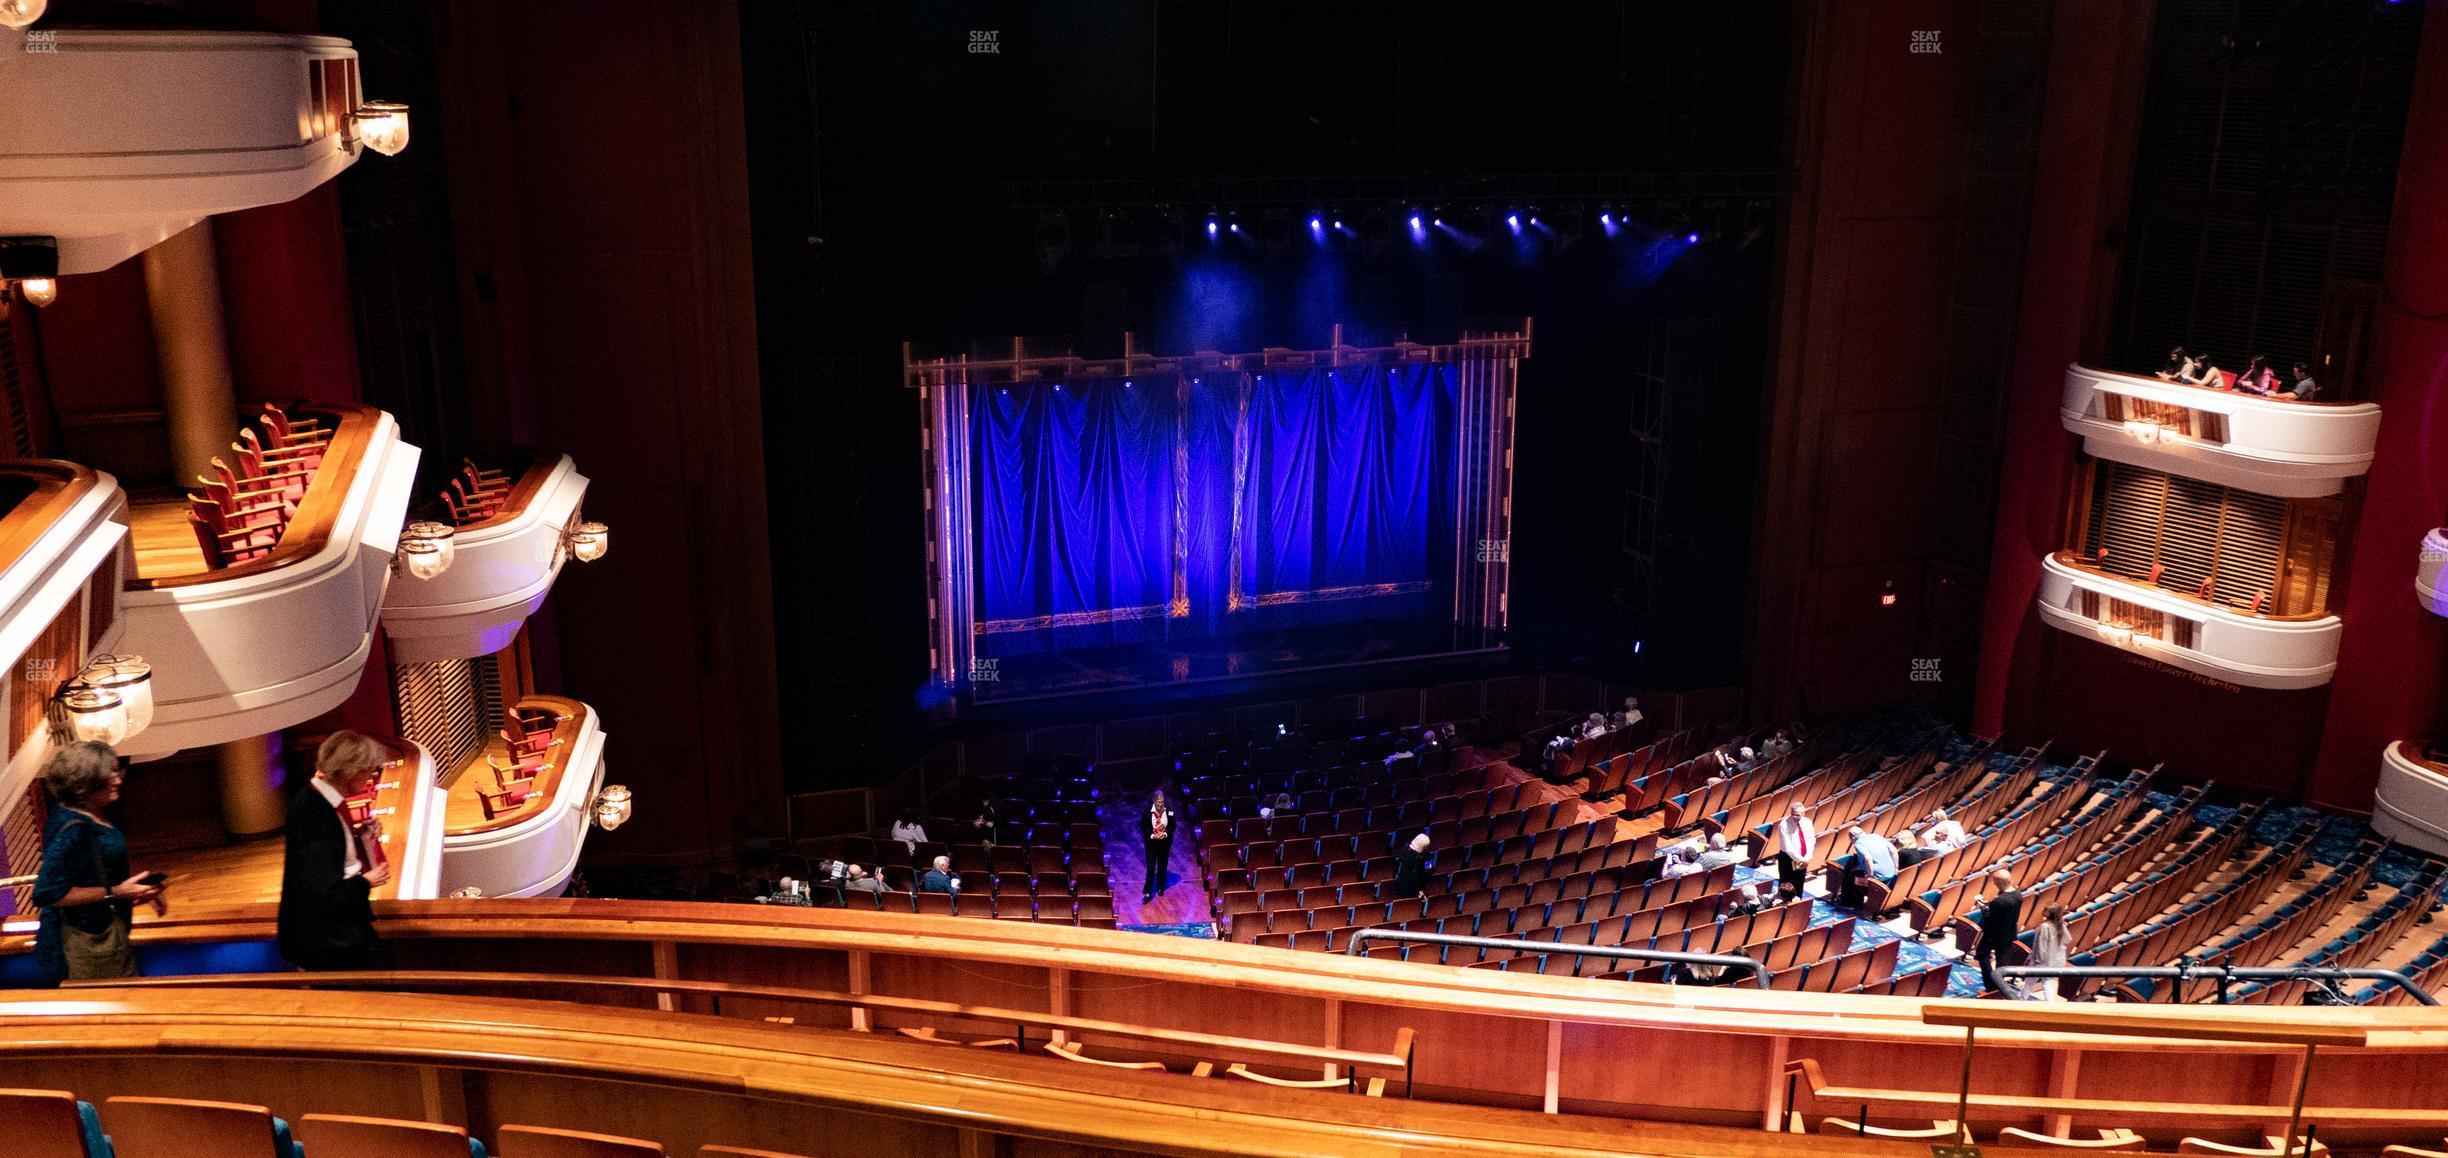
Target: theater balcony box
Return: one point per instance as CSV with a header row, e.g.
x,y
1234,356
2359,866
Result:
x,y
243,650
502,567
2431,572
2210,639
169,127
2410,804
2270,446
526,844
63,536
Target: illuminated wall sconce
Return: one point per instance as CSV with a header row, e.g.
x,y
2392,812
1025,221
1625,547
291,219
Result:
x,y
585,541
131,679
611,807
2120,634
21,14
89,713
426,548
2144,429
30,263
378,125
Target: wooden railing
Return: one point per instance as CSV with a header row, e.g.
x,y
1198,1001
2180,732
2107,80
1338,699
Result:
x,y
50,489
687,1081
2076,562
1593,1046
310,529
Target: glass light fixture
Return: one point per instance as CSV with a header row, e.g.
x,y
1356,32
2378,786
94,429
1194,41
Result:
x,y
427,548
381,126
95,714
21,14
611,807
131,679
589,541
40,291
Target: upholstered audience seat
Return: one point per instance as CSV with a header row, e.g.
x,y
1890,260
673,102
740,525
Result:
x,y
385,1138
542,1142
51,1124
179,1128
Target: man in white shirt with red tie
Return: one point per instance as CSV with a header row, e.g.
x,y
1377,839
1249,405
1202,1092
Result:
x,y
327,875
1797,840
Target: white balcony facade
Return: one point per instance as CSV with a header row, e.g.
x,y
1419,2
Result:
x,y
260,649
2269,446
2410,804
63,582
2431,572
501,571
535,855
167,129
2238,647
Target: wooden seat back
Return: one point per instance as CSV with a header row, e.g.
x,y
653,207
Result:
x,y
42,1124
546,1142
381,1137
179,1128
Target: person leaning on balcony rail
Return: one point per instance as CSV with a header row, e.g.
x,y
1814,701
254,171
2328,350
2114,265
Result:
x,y
84,888
2258,378
2300,386
2178,362
328,871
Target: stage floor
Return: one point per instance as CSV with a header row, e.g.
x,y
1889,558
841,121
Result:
x,y
1079,671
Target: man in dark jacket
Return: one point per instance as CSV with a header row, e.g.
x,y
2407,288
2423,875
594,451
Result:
x,y
1411,867
2000,920
330,870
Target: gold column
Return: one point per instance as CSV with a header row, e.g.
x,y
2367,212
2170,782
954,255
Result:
x,y
191,345
200,407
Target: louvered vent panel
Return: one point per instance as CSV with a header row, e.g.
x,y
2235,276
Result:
x,y
2203,537
16,422
21,845
442,707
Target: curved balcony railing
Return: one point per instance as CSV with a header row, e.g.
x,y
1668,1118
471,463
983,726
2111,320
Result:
x,y
2209,639
2431,572
144,156
2266,445
516,831
245,649
2410,803
502,568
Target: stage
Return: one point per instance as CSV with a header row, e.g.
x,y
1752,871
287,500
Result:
x,y
1161,520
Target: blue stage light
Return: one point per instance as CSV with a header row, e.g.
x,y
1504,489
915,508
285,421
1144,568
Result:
x,y
1513,221
1236,227
1338,223
1317,223
1606,219
1211,227
1691,239
1126,383
1415,222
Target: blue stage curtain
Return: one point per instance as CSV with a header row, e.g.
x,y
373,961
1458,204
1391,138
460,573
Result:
x,y
1075,494
1343,470
1278,499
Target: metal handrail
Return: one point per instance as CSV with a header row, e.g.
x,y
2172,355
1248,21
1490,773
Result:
x,y
2224,974
1759,973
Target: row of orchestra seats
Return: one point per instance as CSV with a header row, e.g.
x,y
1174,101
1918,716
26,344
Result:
x,y
239,512
56,1124
527,743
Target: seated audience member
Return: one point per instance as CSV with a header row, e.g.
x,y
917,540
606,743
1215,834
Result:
x,y
989,824
1681,861
1696,974
1873,859
1747,758
2176,363
2211,375
2300,386
1719,854
1281,805
1411,867
2257,377
908,831
1777,744
938,877
1942,832
1631,713
858,879
1557,748
1594,727
1910,851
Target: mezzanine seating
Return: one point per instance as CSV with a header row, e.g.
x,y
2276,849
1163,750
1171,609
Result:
x,y
475,494
239,512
